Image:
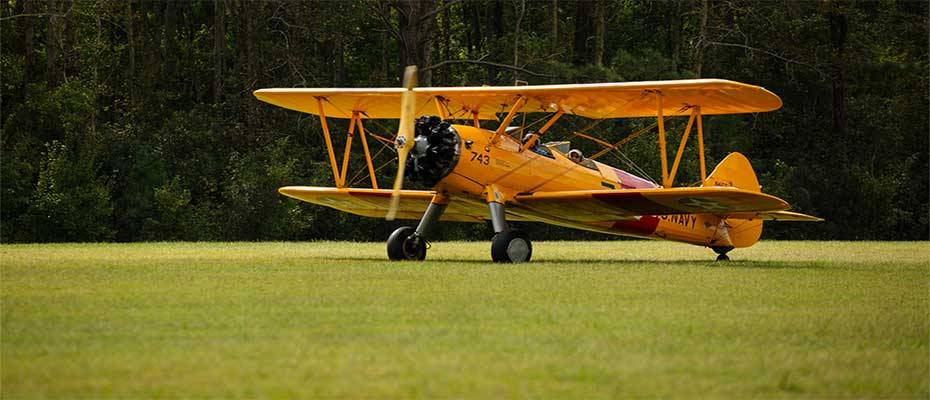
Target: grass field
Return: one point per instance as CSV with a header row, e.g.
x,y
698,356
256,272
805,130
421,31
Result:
x,y
584,320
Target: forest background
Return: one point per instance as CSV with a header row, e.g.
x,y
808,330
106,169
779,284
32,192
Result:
x,y
127,120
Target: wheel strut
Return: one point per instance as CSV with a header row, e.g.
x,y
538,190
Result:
x,y
507,245
407,243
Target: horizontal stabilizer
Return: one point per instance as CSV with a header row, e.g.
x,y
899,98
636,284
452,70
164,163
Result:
x,y
776,216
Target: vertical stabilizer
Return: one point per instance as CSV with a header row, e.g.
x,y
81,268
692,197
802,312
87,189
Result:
x,y
735,171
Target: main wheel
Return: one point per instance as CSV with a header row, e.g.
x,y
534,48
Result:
x,y
511,246
405,244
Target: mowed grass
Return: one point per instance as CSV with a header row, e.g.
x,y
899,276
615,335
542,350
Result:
x,y
584,320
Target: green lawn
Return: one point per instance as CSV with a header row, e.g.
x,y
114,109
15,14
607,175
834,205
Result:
x,y
584,320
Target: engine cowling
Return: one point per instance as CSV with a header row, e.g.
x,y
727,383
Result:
x,y
435,151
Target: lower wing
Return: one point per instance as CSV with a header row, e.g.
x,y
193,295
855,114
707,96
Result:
x,y
608,205
577,206
375,202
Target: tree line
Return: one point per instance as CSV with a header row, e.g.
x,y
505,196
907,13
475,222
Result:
x,y
128,120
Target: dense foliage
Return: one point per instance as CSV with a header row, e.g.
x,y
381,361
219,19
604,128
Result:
x,y
134,120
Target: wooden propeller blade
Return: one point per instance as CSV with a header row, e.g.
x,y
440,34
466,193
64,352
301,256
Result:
x,y
404,141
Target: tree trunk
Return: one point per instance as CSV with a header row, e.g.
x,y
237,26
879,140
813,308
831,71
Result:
x,y
554,44
130,36
251,58
600,28
838,30
219,43
446,44
384,9
516,38
52,46
469,40
339,55
476,26
28,39
416,31
409,33
581,53
676,35
98,46
384,58
477,34
497,18
701,42
152,24
171,43
69,39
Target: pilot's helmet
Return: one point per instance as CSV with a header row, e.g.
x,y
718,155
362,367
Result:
x,y
575,155
529,136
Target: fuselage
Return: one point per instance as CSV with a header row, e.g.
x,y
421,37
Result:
x,y
492,167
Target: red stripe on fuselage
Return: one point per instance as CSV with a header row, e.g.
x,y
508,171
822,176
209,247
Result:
x,y
644,226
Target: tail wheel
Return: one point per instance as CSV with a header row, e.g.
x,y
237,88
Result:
x,y
405,244
511,246
722,252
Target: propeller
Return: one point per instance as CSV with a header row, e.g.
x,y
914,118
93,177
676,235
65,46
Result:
x,y
404,141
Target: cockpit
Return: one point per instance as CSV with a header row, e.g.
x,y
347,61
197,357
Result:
x,y
565,148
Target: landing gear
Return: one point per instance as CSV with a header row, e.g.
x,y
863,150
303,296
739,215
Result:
x,y
511,246
508,245
722,252
406,244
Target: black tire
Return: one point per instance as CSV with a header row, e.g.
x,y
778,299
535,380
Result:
x,y
722,252
404,245
511,246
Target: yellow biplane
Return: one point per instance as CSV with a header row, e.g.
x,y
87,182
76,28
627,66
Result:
x,y
504,175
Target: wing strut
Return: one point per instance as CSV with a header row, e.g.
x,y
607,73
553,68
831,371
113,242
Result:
x,y
517,105
368,159
339,174
701,143
668,176
545,127
681,148
329,142
662,153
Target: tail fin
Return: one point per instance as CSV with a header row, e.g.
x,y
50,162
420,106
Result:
x,y
736,171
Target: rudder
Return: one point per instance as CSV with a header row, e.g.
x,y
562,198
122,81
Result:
x,y
736,171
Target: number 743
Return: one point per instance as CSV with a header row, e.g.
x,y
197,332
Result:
x,y
481,158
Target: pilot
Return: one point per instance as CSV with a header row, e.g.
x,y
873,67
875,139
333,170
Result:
x,y
575,155
532,137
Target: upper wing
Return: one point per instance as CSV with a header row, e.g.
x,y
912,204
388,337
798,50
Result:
x,y
595,100
375,202
608,205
